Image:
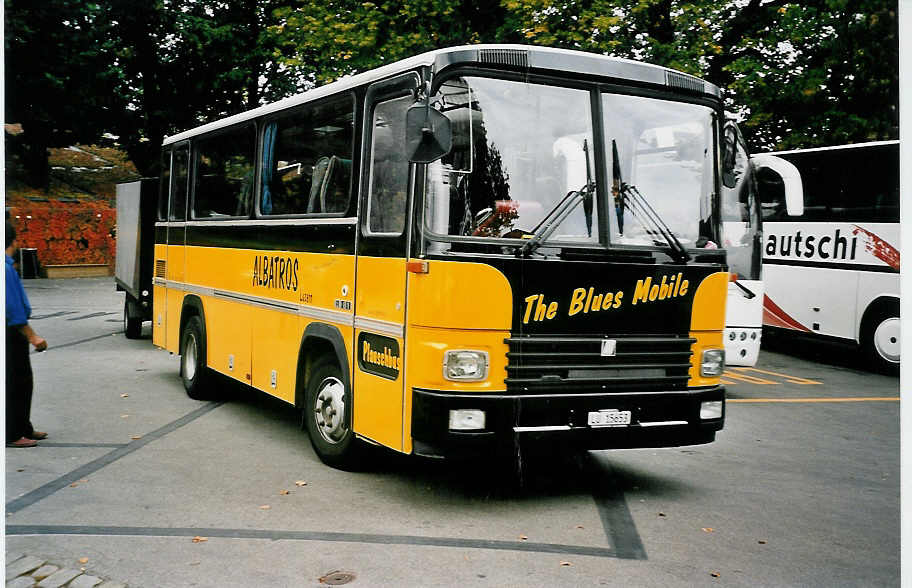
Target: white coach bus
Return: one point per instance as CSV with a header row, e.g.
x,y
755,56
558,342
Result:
x,y
834,271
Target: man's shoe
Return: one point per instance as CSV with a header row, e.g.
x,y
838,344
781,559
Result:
x,y
23,442
38,435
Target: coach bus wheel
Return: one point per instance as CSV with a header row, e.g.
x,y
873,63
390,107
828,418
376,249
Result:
x,y
194,372
327,413
132,324
880,340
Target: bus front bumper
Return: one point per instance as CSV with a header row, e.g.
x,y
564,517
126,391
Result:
x,y
558,422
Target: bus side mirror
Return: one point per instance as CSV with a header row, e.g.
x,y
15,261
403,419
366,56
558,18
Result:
x,y
428,133
791,181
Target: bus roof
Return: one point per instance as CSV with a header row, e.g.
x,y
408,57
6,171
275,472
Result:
x,y
836,147
523,56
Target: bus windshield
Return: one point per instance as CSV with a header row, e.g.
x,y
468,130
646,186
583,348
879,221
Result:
x,y
662,152
518,150
523,166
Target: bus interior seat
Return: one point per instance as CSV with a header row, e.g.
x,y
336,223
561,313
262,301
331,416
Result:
x,y
321,169
329,185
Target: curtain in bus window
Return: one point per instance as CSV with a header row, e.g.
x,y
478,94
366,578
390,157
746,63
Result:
x,y
308,166
389,167
269,136
224,174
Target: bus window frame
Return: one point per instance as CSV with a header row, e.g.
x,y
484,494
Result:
x,y
164,188
174,148
194,168
351,209
400,86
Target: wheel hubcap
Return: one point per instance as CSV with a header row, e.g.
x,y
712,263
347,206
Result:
x,y
190,357
329,410
886,340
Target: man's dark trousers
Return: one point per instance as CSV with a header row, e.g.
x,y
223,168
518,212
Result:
x,y
18,386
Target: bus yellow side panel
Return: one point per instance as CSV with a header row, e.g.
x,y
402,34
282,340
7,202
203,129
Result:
x,y
173,302
707,322
228,337
378,399
708,312
277,337
158,296
175,273
460,295
456,305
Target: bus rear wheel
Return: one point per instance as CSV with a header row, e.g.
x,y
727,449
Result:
x,y
327,415
194,373
132,320
880,339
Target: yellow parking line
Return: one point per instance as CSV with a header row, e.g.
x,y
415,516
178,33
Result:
x,y
791,379
749,379
727,382
849,399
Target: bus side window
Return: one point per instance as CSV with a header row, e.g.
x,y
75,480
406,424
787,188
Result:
x,y
179,164
389,168
224,174
164,185
307,160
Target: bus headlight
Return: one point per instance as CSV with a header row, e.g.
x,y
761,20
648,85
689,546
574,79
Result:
x,y
462,365
712,363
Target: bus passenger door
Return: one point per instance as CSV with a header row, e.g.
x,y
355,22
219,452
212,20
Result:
x,y
380,283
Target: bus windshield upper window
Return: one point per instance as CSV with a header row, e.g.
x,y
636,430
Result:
x,y
665,150
518,149
224,174
307,160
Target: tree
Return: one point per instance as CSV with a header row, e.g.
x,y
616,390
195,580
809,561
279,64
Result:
x,y
815,72
59,83
185,62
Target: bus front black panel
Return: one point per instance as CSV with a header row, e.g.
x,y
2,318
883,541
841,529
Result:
x,y
559,422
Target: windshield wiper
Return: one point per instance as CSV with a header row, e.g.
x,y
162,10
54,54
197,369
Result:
x,y
563,209
630,198
557,215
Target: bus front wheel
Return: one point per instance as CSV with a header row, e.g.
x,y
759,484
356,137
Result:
x,y
880,339
327,414
193,370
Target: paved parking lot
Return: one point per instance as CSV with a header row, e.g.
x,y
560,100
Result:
x,y
156,489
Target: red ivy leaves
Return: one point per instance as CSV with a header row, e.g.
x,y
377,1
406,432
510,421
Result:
x,y
67,234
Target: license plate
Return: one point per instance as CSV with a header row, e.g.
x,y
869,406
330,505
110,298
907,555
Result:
x,y
609,418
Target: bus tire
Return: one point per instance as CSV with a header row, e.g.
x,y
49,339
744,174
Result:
x,y
194,373
132,320
327,415
880,338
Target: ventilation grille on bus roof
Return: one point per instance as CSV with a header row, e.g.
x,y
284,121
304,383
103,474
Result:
x,y
684,81
511,57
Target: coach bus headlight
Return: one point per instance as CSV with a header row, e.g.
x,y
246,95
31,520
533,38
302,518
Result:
x,y
712,362
711,409
467,420
461,365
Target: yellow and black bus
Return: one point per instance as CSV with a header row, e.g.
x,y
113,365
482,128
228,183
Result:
x,y
476,251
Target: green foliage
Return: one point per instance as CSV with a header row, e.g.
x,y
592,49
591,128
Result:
x,y
800,73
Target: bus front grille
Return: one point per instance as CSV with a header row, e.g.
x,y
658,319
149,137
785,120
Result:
x,y
553,365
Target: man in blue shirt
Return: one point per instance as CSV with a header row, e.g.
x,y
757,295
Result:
x,y
19,334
